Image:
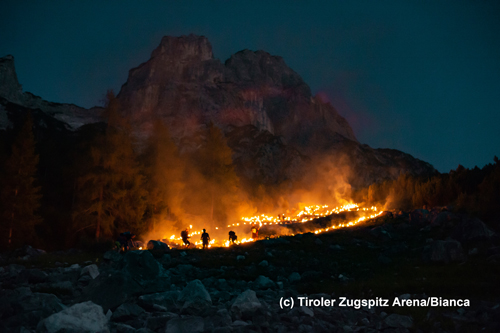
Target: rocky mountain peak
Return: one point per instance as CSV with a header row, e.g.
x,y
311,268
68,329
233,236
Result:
x,y
184,48
11,92
9,85
261,68
184,85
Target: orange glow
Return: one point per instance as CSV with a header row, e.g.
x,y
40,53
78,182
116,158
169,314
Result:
x,y
308,213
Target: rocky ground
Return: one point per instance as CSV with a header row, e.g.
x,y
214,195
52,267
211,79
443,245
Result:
x,y
403,256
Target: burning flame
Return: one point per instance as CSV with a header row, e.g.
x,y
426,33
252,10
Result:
x,y
306,214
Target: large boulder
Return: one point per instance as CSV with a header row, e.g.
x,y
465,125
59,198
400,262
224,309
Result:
x,y
139,274
471,230
294,277
127,311
81,317
246,302
194,297
113,256
263,282
143,267
111,290
157,248
34,275
91,270
21,307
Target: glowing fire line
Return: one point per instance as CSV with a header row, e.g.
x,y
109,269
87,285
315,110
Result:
x,y
307,214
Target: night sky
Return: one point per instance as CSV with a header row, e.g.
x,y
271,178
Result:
x,y
419,76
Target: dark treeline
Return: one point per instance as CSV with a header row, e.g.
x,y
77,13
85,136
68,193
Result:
x,y
475,191
63,189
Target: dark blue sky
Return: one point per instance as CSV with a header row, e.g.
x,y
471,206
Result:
x,y
419,76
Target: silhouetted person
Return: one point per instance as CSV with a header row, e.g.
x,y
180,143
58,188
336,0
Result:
x,y
205,238
232,236
185,236
125,240
255,232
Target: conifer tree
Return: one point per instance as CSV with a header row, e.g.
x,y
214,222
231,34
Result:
x,y
110,194
20,196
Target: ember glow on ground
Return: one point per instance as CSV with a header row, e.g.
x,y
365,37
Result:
x,y
308,213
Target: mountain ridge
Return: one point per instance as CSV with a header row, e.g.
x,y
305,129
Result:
x,y
264,108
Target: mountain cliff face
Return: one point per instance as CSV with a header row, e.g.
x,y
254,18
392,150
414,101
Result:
x,y
277,130
11,91
184,85
267,111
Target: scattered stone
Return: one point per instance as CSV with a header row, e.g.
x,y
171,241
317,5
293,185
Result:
x,y
72,268
263,263
34,275
473,251
186,269
471,230
263,282
398,321
143,267
81,317
192,324
109,314
194,297
91,270
336,247
167,299
221,319
158,246
240,258
343,278
294,277
127,311
307,311
158,322
240,323
112,256
166,259
123,328
222,296
405,296
246,302
318,241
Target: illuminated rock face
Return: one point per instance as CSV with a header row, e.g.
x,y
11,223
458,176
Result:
x,y
277,130
184,85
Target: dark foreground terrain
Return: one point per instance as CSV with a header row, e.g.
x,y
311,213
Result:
x,y
398,256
